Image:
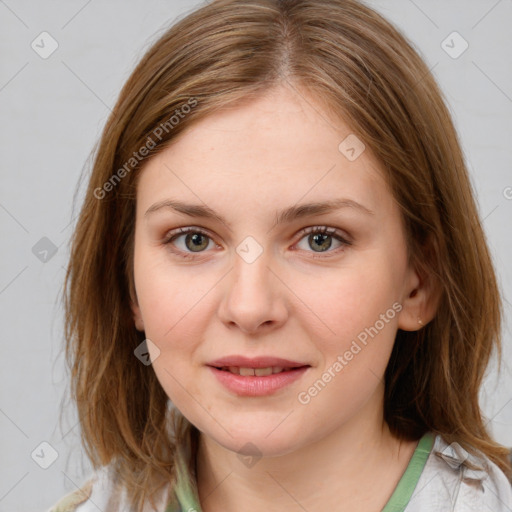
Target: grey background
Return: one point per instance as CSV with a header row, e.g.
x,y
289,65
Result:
x,y
53,111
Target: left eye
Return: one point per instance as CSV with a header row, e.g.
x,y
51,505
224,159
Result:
x,y
321,238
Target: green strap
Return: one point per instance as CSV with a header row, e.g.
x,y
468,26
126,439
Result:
x,y
403,491
184,496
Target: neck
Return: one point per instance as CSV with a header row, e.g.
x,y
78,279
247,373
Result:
x,y
355,467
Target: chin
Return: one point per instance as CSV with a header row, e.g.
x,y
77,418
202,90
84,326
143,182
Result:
x,y
256,441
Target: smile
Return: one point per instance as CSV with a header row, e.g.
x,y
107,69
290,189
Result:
x,y
246,381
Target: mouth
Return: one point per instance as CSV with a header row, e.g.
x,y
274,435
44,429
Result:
x,y
256,377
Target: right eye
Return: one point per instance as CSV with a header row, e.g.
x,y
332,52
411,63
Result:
x,y
193,240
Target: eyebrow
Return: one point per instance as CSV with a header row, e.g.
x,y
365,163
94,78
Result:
x,y
286,215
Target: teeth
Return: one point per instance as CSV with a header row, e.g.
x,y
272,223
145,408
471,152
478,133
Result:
x,y
261,372
258,372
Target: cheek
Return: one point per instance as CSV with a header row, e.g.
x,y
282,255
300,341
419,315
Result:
x,y
361,311
350,302
174,309
171,298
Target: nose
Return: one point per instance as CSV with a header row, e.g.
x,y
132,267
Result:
x,y
254,296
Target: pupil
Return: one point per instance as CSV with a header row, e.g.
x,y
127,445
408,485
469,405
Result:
x,y
196,239
319,238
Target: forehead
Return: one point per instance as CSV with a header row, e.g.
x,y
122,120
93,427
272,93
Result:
x,y
281,148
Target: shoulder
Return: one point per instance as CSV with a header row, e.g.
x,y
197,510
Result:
x,y
454,479
97,491
101,491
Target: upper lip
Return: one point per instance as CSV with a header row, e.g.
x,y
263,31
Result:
x,y
255,362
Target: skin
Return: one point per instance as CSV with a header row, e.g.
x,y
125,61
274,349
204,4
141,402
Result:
x,y
246,163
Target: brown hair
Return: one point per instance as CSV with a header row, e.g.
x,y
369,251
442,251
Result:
x,y
360,68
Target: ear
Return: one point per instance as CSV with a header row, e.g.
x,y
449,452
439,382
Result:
x,y
422,296
136,312
137,316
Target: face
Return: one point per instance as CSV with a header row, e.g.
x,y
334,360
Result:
x,y
323,289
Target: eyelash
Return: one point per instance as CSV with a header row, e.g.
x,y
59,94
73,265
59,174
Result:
x,y
325,230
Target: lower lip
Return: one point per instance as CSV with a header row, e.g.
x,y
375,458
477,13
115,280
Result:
x,y
257,386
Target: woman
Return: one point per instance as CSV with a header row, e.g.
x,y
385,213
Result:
x,y
279,292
